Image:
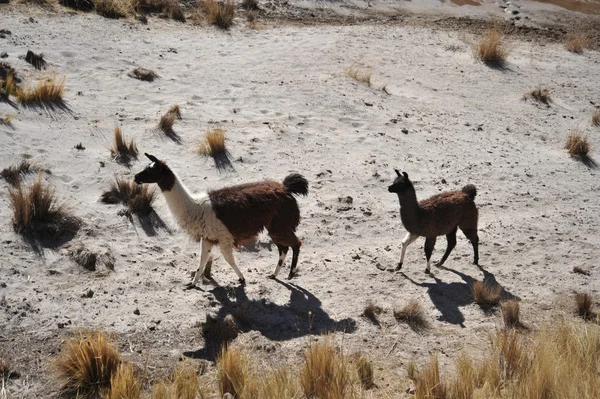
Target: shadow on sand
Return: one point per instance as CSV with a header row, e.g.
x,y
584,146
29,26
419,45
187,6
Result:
x,y
301,316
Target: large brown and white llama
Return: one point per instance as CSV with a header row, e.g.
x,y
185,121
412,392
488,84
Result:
x,y
439,215
232,215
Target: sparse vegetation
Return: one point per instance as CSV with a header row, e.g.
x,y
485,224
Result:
x,y
144,74
13,174
113,9
138,198
166,123
584,303
596,118
577,144
486,295
37,213
122,150
87,363
175,111
6,120
183,384
213,143
490,49
79,146
168,8
325,373
250,5
232,372
360,74
413,315
364,368
8,85
124,384
577,42
510,313
47,91
37,60
540,94
219,15
80,5
371,311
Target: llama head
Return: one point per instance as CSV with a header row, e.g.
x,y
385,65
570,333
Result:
x,y
401,183
157,172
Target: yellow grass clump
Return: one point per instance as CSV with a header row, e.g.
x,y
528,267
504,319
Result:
x,y
539,94
486,295
577,144
510,313
213,143
87,363
490,49
166,123
47,90
577,42
138,198
364,369
596,118
8,86
113,9
232,372
122,150
360,74
124,384
219,15
412,314
325,373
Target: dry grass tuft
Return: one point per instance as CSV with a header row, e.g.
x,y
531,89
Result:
x,y
166,123
6,120
541,95
360,74
577,42
89,260
371,311
113,9
413,315
36,212
37,60
219,331
122,150
124,384
48,90
146,75
486,295
175,111
510,314
596,118
87,364
364,369
581,270
13,174
8,81
219,15
138,198
490,49
213,143
80,5
325,373
232,372
584,303
577,144
168,8
429,383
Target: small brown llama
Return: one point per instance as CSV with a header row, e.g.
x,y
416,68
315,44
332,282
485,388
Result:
x,y
439,215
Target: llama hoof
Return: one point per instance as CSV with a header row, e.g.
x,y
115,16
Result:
x,y
189,286
398,267
427,271
291,276
242,281
271,276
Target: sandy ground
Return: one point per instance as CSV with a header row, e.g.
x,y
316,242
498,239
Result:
x,y
287,105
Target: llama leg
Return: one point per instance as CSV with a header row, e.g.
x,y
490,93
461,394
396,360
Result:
x,y
204,258
408,239
451,237
295,253
429,244
208,267
283,250
471,234
228,255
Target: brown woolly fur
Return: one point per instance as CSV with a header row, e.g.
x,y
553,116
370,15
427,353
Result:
x,y
580,270
412,314
541,95
371,311
584,304
576,43
360,74
213,143
577,144
596,119
325,373
13,174
364,368
122,150
144,74
81,5
232,372
490,49
36,212
113,9
37,60
48,90
510,313
486,295
219,15
86,364
562,361
138,198
124,384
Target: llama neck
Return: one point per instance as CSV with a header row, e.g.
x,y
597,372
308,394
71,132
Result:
x,y
178,199
409,209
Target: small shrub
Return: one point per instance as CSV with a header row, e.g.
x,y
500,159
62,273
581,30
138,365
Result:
x,y
364,368
79,146
138,198
169,8
360,74
122,150
577,144
36,212
185,381
6,70
371,311
48,90
584,303
80,5
175,111
232,372
113,9
576,43
12,174
580,270
412,371
124,384
486,295
510,313
325,374
87,363
143,74
213,143
8,86
429,383
219,15
413,315
490,49
541,95
6,120
596,118
37,60
166,123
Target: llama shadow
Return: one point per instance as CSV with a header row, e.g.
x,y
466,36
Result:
x,y
152,223
301,316
256,246
488,278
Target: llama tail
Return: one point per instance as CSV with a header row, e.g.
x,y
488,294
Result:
x,y
296,184
470,190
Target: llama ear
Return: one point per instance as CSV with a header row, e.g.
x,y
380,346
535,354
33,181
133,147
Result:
x,y
406,176
397,172
151,157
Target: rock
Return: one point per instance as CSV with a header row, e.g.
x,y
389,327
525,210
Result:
x,y
136,312
88,294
